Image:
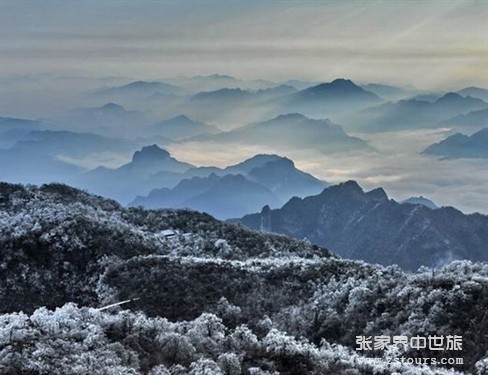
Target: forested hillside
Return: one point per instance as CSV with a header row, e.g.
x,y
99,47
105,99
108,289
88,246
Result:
x,y
206,297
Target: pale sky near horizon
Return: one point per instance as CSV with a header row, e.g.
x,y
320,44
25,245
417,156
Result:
x,y
430,44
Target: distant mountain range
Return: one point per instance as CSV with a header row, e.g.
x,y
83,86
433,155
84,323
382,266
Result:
x,y
150,168
181,127
474,118
412,113
390,92
107,120
139,89
326,99
45,155
475,92
459,145
14,129
369,226
293,131
236,190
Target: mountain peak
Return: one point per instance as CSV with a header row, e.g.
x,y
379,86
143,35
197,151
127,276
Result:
x,y
378,194
112,107
342,82
290,117
150,154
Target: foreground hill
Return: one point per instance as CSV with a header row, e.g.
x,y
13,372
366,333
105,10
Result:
x,y
213,299
371,227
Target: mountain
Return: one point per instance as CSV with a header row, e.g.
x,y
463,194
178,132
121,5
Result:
x,y
85,276
139,89
460,145
371,227
182,127
387,91
420,200
47,155
474,118
293,131
14,129
218,81
414,114
150,168
108,119
236,190
326,99
284,180
474,92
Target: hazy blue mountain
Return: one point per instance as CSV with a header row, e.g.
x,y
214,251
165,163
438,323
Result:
x,y
325,99
221,196
459,145
14,129
182,127
475,92
46,155
108,119
139,89
293,131
389,92
138,177
263,179
284,180
369,226
218,81
243,167
299,84
412,113
420,200
474,118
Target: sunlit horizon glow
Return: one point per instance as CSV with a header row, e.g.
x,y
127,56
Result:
x,y
429,44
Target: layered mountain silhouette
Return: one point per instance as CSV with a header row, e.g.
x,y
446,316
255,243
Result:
x,y
139,89
14,129
475,92
293,131
474,118
47,155
182,127
329,98
389,92
413,113
150,168
108,119
459,145
369,226
236,190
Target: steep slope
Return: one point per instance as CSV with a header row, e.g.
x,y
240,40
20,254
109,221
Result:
x,y
458,146
369,226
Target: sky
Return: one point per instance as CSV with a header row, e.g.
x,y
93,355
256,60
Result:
x,y
438,44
